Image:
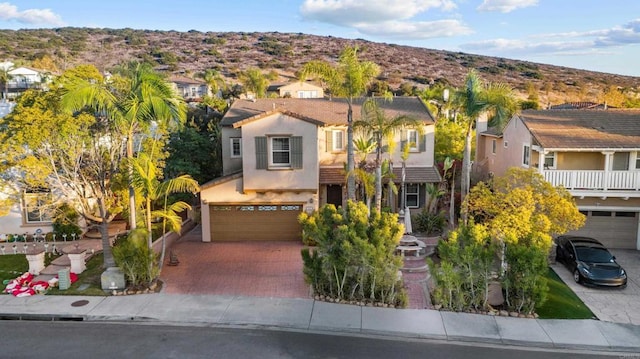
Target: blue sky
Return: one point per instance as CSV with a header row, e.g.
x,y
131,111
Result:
x,y
587,34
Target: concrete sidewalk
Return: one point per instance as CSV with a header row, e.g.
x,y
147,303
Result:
x,y
314,316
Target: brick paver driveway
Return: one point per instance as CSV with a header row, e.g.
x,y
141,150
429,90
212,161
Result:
x,y
611,304
258,269
262,269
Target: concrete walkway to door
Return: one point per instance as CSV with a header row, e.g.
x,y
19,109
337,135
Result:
x,y
258,269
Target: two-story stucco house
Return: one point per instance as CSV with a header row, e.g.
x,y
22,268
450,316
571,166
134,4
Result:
x,y
285,156
298,89
595,154
190,89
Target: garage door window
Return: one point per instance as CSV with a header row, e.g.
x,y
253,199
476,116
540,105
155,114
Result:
x,y
626,214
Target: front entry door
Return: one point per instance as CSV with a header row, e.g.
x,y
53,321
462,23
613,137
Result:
x,y
334,194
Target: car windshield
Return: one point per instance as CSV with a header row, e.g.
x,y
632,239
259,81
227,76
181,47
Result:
x,y
594,255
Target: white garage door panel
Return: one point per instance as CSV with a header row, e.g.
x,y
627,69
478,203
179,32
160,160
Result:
x,y
613,231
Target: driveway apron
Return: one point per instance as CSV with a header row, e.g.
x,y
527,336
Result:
x,y
611,304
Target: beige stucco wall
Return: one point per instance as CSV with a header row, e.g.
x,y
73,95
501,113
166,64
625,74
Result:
x,y
293,89
230,165
515,136
280,179
416,158
580,161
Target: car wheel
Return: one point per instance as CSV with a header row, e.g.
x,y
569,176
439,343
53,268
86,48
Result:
x,y
576,276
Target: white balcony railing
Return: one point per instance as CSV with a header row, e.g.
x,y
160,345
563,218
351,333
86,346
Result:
x,y
594,180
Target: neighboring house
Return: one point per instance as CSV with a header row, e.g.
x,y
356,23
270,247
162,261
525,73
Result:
x,y
24,78
31,214
298,89
192,90
595,154
284,156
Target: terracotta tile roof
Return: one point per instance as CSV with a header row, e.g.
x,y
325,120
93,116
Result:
x,y
185,80
327,111
580,106
584,129
334,175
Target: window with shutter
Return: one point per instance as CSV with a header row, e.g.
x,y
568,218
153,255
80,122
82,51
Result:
x,y
296,152
261,153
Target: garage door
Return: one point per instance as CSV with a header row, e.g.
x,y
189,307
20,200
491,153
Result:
x,y
613,229
260,222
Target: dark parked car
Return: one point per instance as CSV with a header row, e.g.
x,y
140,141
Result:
x,y
590,261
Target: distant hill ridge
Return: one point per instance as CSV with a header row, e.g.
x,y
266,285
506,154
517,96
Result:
x,y
192,52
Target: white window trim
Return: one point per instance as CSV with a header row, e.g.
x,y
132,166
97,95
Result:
x,y
494,146
271,151
555,159
526,155
231,140
413,146
25,209
416,194
334,134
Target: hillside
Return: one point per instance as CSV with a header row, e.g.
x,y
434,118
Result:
x,y
230,52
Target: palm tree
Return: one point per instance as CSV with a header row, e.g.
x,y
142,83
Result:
x,y
145,179
214,80
255,81
376,124
132,101
496,101
348,79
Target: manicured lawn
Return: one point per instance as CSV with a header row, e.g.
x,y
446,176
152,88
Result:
x,y
12,265
88,281
562,302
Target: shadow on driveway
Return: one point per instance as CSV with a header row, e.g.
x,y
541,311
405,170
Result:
x,y
247,268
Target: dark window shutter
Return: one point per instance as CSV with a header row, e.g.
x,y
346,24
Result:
x,y
423,144
296,152
328,140
403,144
261,153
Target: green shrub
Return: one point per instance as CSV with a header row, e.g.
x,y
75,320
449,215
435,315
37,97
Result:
x,y
136,259
66,221
354,259
467,260
525,282
430,223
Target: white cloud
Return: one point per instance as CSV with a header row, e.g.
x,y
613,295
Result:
x,y
10,12
569,43
352,12
385,18
505,5
416,30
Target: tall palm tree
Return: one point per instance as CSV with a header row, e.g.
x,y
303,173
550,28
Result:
x,y
497,101
348,79
132,101
145,179
255,81
214,80
375,123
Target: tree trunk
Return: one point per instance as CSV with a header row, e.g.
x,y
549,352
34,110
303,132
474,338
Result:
x,y
378,183
148,220
132,192
452,201
351,181
107,253
465,182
